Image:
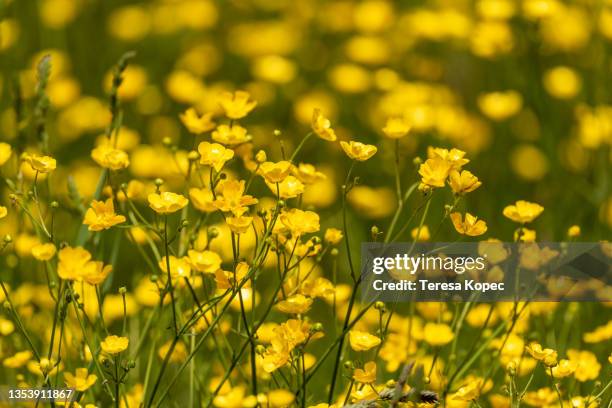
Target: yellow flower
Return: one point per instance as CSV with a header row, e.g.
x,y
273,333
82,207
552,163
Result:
x,y
43,252
333,236
547,356
179,267
290,187
179,354
231,197
202,199
236,105
101,216
396,128
587,366
300,222
275,172
233,398
525,235
362,341
96,272
437,334
76,264
240,224
523,211
420,234
41,164
322,126
114,344
230,135
563,368
110,158
500,105
214,154
197,124
81,380
454,156
573,231
5,152
463,182
358,151
280,398
562,82
470,226
18,359
434,171
367,374
166,202
307,173
3,212
205,261
296,304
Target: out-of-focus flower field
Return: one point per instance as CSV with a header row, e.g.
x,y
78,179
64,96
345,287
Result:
x,y
185,185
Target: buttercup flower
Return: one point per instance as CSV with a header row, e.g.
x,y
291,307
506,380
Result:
x,y
434,172
43,252
114,344
166,202
333,236
18,359
236,105
3,212
367,374
5,152
101,216
547,356
231,197
275,172
362,341
239,224
396,128
470,225
296,304
455,157
290,187
110,158
463,182
214,154
300,222
500,105
41,164
563,368
322,126
358,151
230,135
523,211
205,261
81,380
437,334
197,124
202,199
586,365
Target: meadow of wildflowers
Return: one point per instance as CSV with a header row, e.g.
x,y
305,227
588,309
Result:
x,y
185,186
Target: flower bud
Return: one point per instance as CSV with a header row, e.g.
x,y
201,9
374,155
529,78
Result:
x,y
261,156
122,290
193,155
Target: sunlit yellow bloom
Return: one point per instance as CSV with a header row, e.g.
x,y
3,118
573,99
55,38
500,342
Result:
x,y
280,398
523,211
573,231
233,398
202,199
367,374
239,224
236,105
542,397
76,264
43,252
300,222
296,304
205,261
166,202
562,82
214,154
396,128
44,367
358,151
434,172
101,216
333,236
290,187
587,366
322,126
525,235
500,105
179,354
179,267
96,272
470,225
18,359
231,197
110,158
81,380
437,334
197,124
41,164
3,212
307,173
114,344
472,389
563,368
454,156
5,152
275,172
230,135
463,182
362,341
547,356
420,234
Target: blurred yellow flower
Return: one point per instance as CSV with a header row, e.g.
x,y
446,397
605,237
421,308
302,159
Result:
x,y
114,344
562,82
3,212
275,172
470,225
420,234
5,152
367,374
41,164
296,304
396,128
44,252
110,158
280,398
563,369
333,236
197,124
214,154
573,231
81,380
236,105
362,341
523,211
500,106
205,261
547,356
437,334
18,359
166,202
358,151
586,365
239,224
300,222
463,182
230,135
101,216
290,187
179,353
322,126
202,199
